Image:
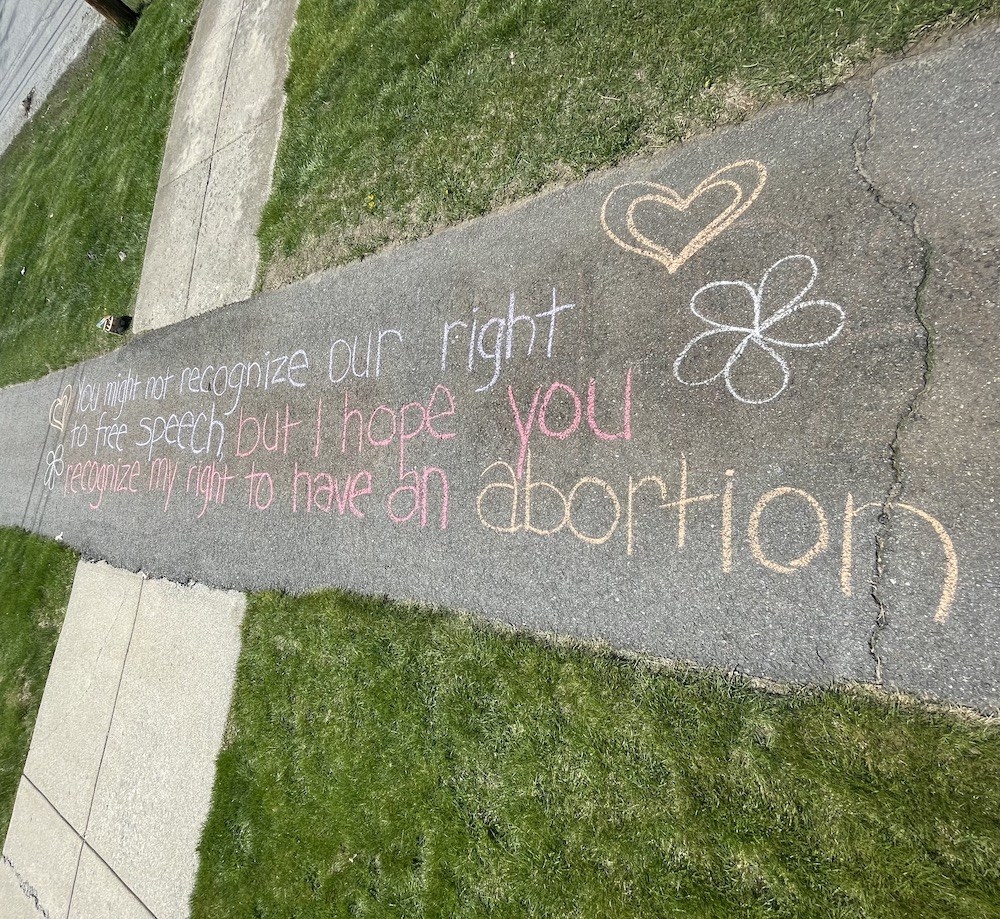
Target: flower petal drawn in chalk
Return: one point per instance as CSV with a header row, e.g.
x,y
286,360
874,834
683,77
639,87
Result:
x,y
54,466
752,350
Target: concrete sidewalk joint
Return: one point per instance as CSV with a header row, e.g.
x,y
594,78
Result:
x,y
86,848
123,756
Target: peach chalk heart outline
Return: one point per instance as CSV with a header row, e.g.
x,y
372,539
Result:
x,y
638,193
59,411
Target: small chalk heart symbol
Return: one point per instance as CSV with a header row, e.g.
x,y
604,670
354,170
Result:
x,y
620,206
59,411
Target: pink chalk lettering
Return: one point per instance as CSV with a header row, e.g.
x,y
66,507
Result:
x,y
540,414
386,426
573,425
93,478
626,431
407,435
322,491
418,492
280,438
319,427
210,484
392,434
257,482
523,430
433,416
162,473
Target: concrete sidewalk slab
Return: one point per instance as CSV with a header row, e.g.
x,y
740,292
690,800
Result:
x,y
100,894
166,274
80,694
227,119
225,265
191,139
125,745
40,856
155,785
255,88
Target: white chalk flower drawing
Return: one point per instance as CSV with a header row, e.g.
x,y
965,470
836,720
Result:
x,y
754,350
54,464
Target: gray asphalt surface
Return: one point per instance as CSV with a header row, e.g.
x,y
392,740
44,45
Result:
x,y
38,40
783,473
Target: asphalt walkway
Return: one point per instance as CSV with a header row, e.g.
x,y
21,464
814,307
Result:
x,y
732,404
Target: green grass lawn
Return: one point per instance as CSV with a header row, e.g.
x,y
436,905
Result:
x,y
387,761
76,194
404,116
35,579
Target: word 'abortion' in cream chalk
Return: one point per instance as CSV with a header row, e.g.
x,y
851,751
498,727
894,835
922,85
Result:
x,y
510,503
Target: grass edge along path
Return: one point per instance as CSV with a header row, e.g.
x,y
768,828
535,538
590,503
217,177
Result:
x,y
36,576
402,118
388,760
77,187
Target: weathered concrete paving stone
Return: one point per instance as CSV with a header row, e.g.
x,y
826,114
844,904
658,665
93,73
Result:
x,y
255,89
226,262
75,713
99,894
191,139
155,785
170,250
937,132
39,860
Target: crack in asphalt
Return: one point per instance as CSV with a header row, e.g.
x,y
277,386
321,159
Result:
x,y
907,214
